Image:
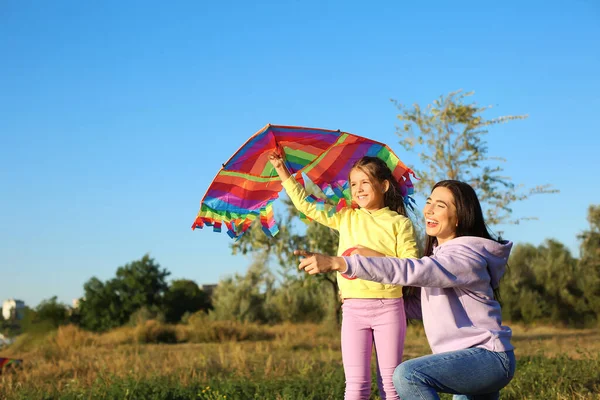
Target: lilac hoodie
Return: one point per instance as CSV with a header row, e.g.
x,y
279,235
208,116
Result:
x,y
457,300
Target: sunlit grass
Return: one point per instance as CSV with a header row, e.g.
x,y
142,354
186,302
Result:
x,y
238,360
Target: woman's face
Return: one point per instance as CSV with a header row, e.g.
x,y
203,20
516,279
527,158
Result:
x,y
440,215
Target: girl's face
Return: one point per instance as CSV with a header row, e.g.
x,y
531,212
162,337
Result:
x,y
440,215
366,194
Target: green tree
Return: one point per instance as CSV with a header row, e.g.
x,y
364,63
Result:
x,y
100,308
521,294
52,312
542,283
245,297
450,138
141,283
556,270
30,323
299,300
589,263
184,296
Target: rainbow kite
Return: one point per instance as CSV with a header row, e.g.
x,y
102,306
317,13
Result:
x,y
246,186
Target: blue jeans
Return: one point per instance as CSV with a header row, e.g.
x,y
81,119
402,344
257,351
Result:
x,y
475,374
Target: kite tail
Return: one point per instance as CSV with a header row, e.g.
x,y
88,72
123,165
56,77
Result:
x,y
267,220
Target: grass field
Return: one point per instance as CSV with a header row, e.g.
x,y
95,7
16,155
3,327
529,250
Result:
x,y
210,360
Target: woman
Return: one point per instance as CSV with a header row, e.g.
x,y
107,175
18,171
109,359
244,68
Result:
x,y
472,354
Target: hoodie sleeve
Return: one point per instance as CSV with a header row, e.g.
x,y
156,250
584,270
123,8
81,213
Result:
x,y
452,266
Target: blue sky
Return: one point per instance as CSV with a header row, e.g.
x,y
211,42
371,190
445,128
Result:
x,y
115,116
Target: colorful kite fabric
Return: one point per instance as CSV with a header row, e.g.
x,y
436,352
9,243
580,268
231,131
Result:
x,y
246,187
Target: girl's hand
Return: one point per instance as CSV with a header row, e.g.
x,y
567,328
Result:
x,y
367,252
315,263
278,163
276,160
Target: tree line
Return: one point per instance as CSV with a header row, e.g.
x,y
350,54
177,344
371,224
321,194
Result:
x,y
543,284
139,291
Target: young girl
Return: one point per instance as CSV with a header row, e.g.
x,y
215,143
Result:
x,y
373,313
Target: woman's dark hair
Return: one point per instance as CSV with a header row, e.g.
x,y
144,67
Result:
x,y
468,213
469,216
378,172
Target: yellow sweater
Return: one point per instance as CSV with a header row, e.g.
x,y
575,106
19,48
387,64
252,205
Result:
x,y
384,231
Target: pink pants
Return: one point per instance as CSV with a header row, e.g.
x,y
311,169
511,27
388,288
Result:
x,y
365,322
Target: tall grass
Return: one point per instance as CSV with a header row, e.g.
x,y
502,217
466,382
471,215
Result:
x,y
210,360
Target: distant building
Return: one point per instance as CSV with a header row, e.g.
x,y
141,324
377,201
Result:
x,y
13,309
76,303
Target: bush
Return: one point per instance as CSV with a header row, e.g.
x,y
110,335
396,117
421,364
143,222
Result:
x,y
144,314
201,330
155,332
